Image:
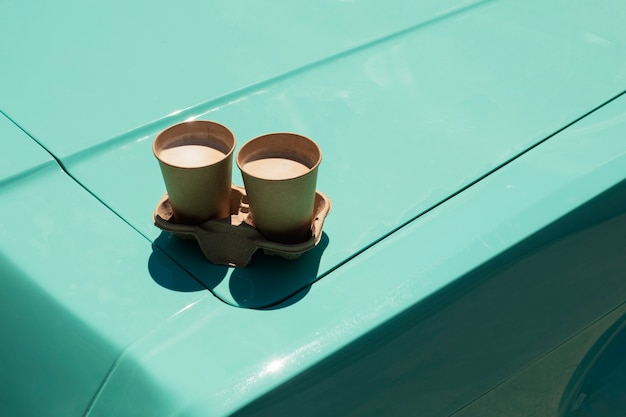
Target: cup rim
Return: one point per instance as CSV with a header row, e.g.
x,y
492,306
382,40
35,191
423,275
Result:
x,y
176,126
252,141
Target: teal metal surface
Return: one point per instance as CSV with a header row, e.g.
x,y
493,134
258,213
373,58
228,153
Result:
x,y
599,388
78,73
475,156
403,124
23,156
550,385
78,286
427,320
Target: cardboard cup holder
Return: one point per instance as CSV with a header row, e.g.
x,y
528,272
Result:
x,y
233,240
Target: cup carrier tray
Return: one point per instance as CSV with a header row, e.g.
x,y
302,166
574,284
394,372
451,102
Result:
x,y
233,240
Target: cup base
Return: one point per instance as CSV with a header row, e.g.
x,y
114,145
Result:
x,y
232,241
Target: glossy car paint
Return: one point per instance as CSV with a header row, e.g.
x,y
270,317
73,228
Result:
x,y
474,152
414,118
80,73
419,323
77,287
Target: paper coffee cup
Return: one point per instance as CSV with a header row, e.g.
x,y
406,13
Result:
x,y
279,172
196,162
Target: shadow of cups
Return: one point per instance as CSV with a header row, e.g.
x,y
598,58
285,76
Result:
x,y
175,263
267,282
273,281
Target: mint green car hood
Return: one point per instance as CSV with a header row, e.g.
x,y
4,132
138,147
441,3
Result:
x,y
450,132
408,109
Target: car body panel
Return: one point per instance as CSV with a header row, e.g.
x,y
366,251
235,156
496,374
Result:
x,y
76,286
25,155
429,319
403,125
77,74
544,388
474,153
